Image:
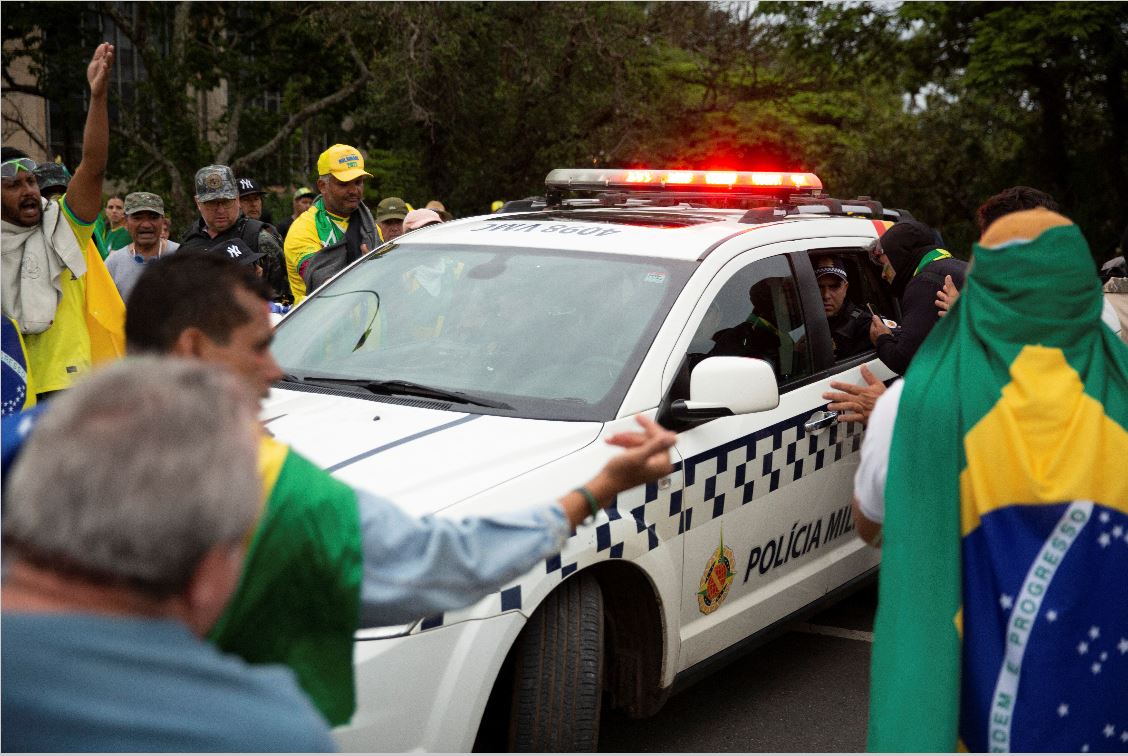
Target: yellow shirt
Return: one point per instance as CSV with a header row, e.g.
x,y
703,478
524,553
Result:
x,y
302,243
61,353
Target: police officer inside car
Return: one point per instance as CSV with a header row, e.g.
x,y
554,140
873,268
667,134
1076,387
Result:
x,y
849,324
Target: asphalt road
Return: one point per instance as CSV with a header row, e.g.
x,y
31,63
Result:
x,y
807,690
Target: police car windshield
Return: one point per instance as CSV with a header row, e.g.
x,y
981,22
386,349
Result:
x,y
552,334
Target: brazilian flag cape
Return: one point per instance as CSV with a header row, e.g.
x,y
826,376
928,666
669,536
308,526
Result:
x,y
17,391
1002,620
299,599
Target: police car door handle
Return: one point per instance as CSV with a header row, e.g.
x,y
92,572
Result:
x,y
820,421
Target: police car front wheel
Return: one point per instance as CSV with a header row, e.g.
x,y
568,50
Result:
x,y
558,681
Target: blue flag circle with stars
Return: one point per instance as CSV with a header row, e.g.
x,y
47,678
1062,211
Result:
x,y
1045,663
13,370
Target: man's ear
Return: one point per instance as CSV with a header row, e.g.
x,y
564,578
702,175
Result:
x,y
211,586
192,342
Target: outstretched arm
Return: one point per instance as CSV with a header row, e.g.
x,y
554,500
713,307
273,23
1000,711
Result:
x,y
647,458
84,193
417,567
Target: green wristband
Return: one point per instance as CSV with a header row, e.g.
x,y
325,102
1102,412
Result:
x,y
591,500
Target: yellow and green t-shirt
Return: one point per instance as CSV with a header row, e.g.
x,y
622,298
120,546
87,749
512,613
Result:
x,y
61,353
302,243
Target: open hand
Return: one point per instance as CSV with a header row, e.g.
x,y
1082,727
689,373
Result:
x,y
98,72
647,457
853,402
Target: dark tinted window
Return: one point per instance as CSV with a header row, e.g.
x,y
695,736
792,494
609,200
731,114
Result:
x,y
755,314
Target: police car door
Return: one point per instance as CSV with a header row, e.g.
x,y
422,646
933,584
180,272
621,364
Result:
x,y
766,499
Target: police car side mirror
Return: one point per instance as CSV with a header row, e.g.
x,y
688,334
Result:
x,y
723,386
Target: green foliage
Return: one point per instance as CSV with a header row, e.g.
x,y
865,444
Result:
x,y
1046,85
930,106
66,35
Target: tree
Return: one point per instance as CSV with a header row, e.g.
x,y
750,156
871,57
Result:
x,y
1051,79
927,106
203,70
488,97
936,106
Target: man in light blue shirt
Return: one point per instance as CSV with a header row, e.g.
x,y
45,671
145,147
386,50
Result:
x,y
125,524
305,592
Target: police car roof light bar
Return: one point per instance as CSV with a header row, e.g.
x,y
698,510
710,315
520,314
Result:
x,y
628,179
864,207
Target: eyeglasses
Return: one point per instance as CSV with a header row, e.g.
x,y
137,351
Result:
x,y
11,168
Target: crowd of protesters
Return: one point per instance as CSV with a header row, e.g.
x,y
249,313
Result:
x,y
157,587
125,595
133,232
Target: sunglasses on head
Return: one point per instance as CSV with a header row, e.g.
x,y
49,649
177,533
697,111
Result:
x,y
11,168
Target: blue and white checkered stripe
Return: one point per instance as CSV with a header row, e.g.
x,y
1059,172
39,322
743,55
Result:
x,y
716,481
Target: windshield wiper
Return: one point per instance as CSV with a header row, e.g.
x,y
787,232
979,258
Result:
x,y
407,388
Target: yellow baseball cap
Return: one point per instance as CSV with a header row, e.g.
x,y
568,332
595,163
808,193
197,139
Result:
x,y
343,161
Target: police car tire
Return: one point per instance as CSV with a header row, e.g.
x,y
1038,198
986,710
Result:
x,y
558,681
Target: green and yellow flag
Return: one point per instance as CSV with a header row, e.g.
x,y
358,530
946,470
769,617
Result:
x,y
1002,621
299,599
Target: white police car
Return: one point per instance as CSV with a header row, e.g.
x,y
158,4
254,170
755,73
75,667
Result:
x,y
521,340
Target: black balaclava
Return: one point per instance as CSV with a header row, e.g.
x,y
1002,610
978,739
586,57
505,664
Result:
x,y
905,244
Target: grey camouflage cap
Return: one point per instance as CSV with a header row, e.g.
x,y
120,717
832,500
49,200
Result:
x,y
139,202
216,182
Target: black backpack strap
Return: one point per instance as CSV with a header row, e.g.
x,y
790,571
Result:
x,y
250,232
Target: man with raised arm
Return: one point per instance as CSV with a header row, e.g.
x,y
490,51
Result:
x,y
47,268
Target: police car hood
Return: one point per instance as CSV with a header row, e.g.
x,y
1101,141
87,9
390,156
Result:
x,y
423,459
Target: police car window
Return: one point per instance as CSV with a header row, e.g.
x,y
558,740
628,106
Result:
x,y
848,282
755,314
553,334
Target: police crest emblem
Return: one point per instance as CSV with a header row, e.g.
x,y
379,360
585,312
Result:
x,y
717,579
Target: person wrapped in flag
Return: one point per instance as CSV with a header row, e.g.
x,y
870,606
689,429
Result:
x,y
1002,620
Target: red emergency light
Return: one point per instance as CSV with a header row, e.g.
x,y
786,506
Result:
x,y
603,179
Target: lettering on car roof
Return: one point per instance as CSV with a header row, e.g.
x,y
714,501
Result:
x,y
548,228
